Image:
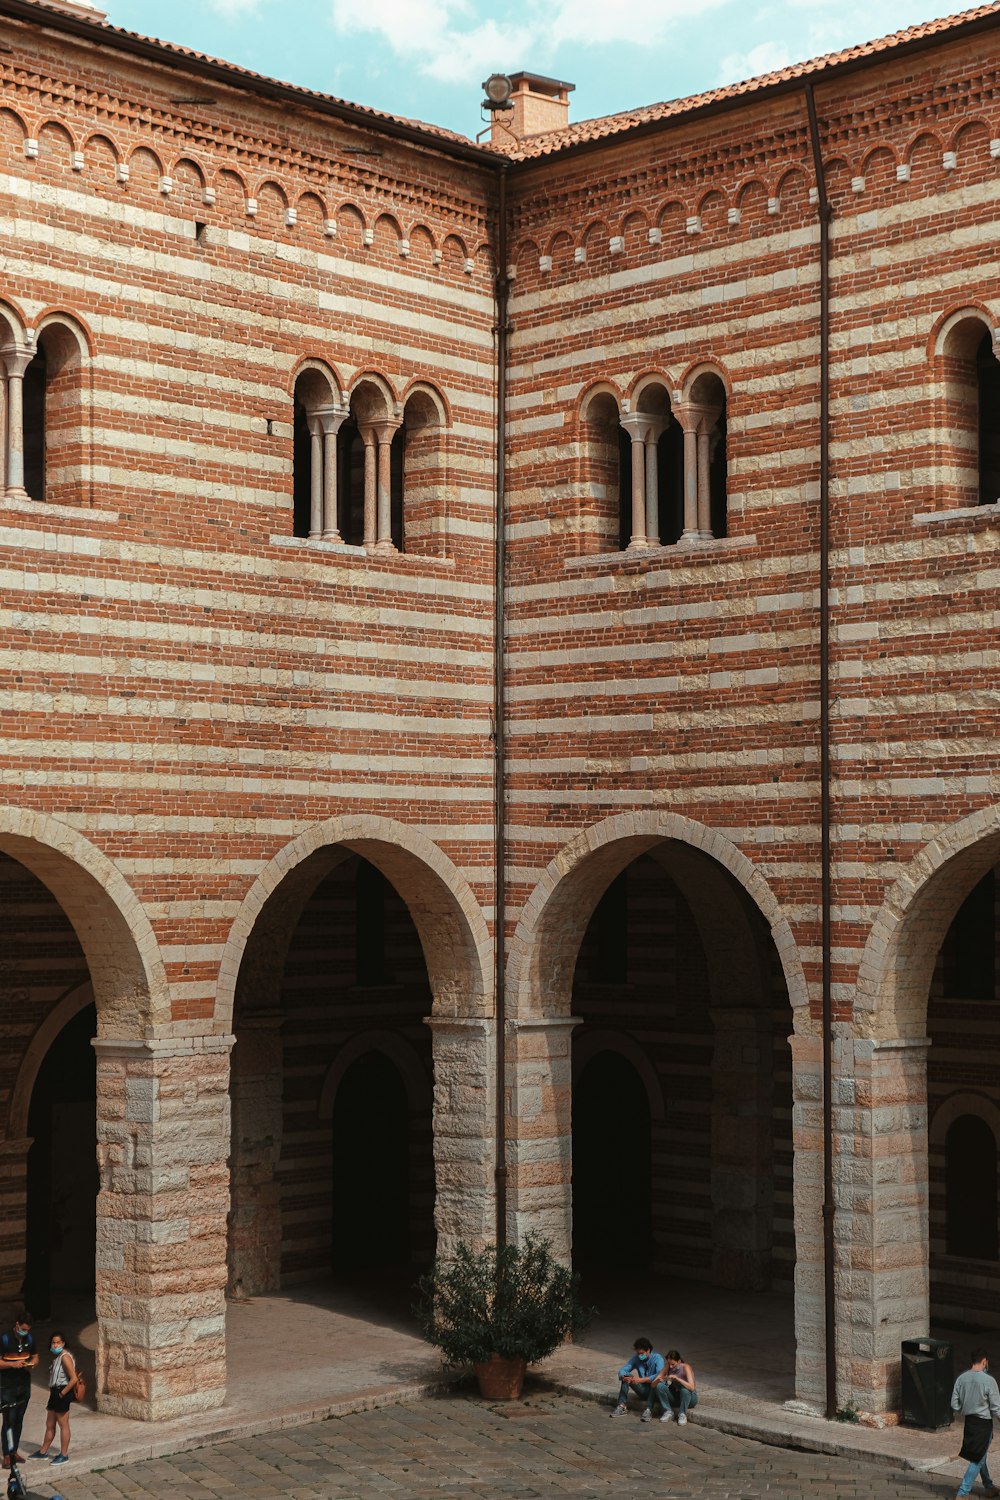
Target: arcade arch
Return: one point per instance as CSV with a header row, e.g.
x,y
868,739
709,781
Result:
x,y
359,962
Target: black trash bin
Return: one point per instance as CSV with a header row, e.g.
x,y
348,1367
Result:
x,y
928,1381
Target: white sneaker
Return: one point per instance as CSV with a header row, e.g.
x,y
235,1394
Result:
x,y
668,1416
620,1411
647,1415
682,1418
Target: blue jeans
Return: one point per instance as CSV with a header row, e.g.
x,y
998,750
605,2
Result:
x,y
969,1478
680,1399
641,1388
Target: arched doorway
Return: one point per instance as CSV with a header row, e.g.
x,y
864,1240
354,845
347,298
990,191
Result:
x,y
612,1166
63,1179
677,968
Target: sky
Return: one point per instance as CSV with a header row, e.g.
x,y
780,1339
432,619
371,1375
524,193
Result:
x,y
426,59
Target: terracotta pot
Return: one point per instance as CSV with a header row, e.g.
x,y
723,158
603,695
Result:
x,y
501,1379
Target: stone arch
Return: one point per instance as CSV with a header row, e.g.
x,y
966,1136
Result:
x,y
897,965
126,970
70,1005
396,1048
450,924
556,914
965,1103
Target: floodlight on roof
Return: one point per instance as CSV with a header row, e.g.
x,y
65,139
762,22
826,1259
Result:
x,y
498,89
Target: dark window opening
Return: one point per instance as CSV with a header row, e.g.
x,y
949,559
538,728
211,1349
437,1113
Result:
x,y
371,1209
397,458
351,483
369,926
624,488
35,381
988,382
670,482
612,1175
969,951
301,472
717,478
971,1188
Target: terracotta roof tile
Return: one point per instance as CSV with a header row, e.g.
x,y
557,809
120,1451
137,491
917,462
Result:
x,y
611,125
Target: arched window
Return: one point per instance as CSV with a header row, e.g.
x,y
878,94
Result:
x,y
419,452
35,390
971,1189
968,413
704,419
318,416
605,468
44,447
374,469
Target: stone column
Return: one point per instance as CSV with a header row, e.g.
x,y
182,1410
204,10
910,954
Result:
x,y
692,419
807,1177
540,1151
15,361
255,1201
706,429
883,1241
742,1137
638,426
331,421
464,1131
651,440
315,476
14,1211
162,1149
385,432
367,433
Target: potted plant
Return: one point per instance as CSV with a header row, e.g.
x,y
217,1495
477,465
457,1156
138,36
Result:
x,y
499,1310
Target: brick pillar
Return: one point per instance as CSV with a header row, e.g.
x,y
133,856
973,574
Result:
x,y
163,1144
742,1148
13,1217
539,1116
883,1234
464,1131
255,1204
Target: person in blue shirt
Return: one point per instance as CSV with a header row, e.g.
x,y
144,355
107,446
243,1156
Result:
x,y
17,1360
638,1376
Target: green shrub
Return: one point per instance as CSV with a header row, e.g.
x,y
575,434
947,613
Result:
x,y
518,1302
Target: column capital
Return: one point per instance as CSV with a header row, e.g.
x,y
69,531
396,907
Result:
x,y
16,358
644,426
331,418
151,1049
380,430
694,417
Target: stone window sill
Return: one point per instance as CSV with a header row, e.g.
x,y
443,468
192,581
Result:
x,y
42,508
346,550
677,554
965,513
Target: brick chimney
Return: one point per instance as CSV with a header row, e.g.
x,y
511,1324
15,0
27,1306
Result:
x,y
83,10
540,105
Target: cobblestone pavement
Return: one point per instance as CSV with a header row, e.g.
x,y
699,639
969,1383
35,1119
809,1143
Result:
x,y
454,1446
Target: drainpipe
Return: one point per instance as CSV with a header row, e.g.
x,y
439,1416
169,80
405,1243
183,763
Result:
x,y
829,1257
499,714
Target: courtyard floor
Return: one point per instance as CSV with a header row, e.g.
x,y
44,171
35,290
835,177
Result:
x,y
550,1446
323,1351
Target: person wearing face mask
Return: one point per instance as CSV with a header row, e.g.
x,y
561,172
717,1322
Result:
x,y
17,1360
63,1377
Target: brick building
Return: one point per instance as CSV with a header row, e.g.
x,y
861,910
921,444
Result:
x,y
273,367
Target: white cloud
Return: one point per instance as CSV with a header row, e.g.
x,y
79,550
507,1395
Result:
x,y
766,57
447,41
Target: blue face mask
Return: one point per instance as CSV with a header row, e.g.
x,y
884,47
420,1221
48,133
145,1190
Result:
x,y
55,1348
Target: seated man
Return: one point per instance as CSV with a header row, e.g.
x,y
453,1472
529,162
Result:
x,y
638,1377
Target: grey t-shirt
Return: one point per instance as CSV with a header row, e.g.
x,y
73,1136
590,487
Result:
x,y
976,1394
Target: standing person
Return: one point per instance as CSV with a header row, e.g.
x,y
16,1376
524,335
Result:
x,y
638,1377
63,1377
676,1389
17,1360
977,1398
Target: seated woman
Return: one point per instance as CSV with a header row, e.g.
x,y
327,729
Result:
x,y
676,1388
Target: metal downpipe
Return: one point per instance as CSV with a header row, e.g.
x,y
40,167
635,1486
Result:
x,y
829,1247
499,713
